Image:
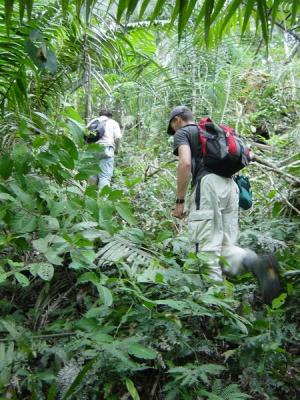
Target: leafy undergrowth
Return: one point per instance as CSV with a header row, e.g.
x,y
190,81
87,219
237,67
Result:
x,y
100,302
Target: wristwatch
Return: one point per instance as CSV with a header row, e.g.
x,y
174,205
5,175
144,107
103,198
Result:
x,y
179,201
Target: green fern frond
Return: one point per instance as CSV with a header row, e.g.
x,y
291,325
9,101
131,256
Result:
x,y
230,392
192,374
120,248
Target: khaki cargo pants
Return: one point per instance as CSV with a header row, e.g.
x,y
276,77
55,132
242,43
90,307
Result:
x,y
213,228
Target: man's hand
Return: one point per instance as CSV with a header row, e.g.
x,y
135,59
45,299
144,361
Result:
x,y
178,212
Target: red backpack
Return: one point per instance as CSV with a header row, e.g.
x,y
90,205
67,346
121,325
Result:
x,y
223,152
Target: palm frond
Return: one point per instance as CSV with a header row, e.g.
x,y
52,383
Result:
x,y
210,13
120,248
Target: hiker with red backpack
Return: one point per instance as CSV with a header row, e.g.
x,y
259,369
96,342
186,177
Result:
x,y
211,155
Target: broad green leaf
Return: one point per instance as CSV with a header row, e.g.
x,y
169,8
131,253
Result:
x,y
44,270
47,159
6,197
77,131
3,277
69,146
22,157
106,295
53,256
65,158
84,225
279,301
22,279
6,166
24,197
73,114
132,389
91,234
41,245
43,117
87,255
23,222
89,277
88,168
140,351
102,338
47,224
94,312
176,304
116,195
277,208
159,278
125,212
75,264
88,324
105,212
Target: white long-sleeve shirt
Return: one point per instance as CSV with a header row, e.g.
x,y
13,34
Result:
x,y
112,131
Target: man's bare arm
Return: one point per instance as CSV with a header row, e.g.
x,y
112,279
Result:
x,y
183,178
183,170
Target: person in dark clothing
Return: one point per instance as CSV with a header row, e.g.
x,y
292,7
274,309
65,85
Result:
x,y
213,226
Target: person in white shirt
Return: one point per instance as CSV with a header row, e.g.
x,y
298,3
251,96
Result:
x,y
111,142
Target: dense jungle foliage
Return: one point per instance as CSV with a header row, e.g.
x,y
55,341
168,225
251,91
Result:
x,y
99,297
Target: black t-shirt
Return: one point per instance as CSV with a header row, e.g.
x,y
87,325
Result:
x,y
189,135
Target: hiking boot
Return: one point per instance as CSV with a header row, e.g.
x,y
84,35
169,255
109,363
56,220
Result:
x,y
265,269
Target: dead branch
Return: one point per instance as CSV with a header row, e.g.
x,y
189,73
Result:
x,y
275,168
156,171
261,146
281,195
295,36
293,53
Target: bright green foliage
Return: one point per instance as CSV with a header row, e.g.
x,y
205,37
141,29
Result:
x,y
215,15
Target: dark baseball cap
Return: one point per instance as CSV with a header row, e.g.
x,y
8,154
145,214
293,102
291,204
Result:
x,y
176,111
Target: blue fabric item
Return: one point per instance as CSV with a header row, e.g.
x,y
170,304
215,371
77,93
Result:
x,y
245,199
106,165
